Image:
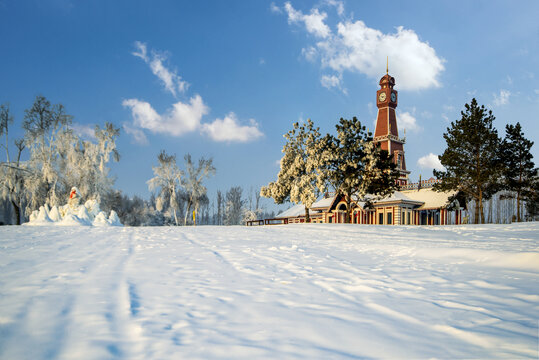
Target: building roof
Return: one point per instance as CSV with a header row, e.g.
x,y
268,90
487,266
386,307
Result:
x,y
431,199
323,203
294,211
398,196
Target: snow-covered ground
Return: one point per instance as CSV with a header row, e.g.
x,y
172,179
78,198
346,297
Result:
x,y
297,291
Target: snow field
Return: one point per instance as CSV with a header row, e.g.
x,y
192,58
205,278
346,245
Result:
x,y
297,291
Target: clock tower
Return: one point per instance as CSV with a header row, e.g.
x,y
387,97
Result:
x,y
387,132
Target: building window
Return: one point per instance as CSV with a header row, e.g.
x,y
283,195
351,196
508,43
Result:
x,y
381,219
389,218
403,218
408,216
330,219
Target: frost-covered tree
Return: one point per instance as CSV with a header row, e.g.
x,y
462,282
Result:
x,y
58,159
234,206
11,171
300,179
167,182
192,183
48,137
86,162
355,166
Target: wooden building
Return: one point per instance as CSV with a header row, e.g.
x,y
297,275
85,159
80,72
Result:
x,y
414,204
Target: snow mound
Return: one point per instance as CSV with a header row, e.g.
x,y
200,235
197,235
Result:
x,y
41,217
71,214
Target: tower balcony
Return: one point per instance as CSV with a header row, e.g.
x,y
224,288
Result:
x,y
390,137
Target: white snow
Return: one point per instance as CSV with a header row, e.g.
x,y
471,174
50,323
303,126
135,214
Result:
x,y
313,291
88,214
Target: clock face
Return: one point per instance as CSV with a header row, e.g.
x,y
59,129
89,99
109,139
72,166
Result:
x,y
393,97
382,97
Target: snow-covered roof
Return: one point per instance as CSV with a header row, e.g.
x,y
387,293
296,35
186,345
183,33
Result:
x,y
323,203
294,211
398,196
431,199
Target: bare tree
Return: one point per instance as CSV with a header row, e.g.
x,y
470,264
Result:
x,y
192,182
11,172
167,182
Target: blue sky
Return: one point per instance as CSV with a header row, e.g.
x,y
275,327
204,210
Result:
x,y
226,79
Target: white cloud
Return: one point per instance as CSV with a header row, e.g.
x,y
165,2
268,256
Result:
x,y
357,48
503,98
430,161
84,131
180,119
171,80
407,121
339,5
314,23
228,129
138,135
275,9
332,81
309,53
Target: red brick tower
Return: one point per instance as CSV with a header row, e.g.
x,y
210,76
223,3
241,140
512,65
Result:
x,y
387,132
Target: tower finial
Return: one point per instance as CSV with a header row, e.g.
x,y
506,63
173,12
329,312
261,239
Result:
x,y
387,65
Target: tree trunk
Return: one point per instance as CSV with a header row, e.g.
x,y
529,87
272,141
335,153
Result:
x,y
17,212
187,212
348,204
518,207
307,217
476,212
175,217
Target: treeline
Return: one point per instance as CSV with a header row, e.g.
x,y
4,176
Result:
x,y
229,208
59,159
488,170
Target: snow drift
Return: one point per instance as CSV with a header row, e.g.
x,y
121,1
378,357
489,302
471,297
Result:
x,y
88,214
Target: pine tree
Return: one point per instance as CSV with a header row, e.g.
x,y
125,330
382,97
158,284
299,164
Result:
x,y
472,158
356,166
519,169
532,203
300,179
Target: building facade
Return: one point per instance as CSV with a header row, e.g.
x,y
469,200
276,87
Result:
x,y
414,204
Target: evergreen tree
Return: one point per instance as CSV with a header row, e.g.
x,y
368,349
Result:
x,y
300,179
532,203
355,166
471,160
519,169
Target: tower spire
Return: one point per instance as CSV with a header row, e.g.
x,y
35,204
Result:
x,y
387,65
